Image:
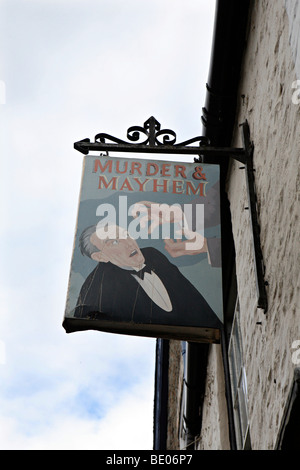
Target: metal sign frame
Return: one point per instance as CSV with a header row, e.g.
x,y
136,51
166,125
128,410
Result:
x,y
152,139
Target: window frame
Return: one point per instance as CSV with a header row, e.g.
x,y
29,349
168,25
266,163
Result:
x,y
238,381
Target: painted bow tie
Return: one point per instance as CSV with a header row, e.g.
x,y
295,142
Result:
x,y
145,269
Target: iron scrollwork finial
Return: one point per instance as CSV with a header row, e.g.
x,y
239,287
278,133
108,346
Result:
x,y
149,138
151,131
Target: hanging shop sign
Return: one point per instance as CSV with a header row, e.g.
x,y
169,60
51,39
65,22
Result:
x,y
147,250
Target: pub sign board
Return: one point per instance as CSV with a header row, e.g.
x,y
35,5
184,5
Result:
x,y
147,250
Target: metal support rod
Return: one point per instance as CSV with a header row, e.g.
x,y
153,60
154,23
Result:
x,y
262,301
85,146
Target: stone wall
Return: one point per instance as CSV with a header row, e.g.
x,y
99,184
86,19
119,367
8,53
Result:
x,y
265,100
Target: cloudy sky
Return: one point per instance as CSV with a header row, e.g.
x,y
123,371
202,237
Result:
x,y
71,69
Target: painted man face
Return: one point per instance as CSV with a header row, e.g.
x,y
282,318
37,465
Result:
x,y
117,247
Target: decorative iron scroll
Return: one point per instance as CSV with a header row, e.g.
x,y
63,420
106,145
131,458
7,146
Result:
x,y
151,131
152,139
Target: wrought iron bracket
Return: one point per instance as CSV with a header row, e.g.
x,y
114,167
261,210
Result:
x,y
152,139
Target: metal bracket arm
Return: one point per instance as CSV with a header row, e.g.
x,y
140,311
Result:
x,y
262,301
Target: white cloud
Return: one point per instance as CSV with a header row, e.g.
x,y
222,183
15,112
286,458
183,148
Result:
x,y
67,430
70,73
